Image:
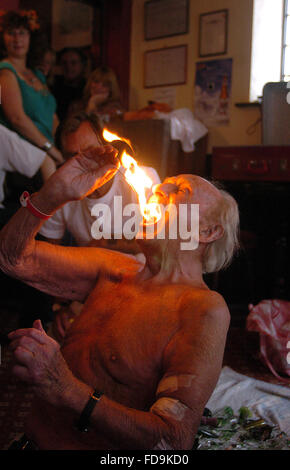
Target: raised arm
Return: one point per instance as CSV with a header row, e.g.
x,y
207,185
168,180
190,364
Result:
x,y
61,271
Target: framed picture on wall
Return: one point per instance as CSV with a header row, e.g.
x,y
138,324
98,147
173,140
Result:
x,y
72,24
213,33
163,18
163,67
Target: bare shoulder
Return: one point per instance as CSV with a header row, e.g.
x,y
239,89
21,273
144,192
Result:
x,y
7,73
204,306
197,347
9,81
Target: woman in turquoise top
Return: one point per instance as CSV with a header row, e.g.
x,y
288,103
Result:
x,y
27,106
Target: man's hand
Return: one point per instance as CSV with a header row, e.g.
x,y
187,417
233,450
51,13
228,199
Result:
x,y
64,316
97,99
78,177
39,362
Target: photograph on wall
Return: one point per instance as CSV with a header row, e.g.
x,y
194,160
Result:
x,y
167,66
72,24
163,18
212,92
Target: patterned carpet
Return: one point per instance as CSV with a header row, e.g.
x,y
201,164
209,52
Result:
x,y
16,398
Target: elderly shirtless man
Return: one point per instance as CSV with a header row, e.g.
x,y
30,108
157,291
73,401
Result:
x,y
148,344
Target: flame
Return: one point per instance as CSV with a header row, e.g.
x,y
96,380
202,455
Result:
x,y
138,180
110,137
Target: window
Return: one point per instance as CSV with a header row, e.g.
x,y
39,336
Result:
x,y
285,65
266,59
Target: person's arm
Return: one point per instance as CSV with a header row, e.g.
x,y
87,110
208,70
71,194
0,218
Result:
x,y
53,230
64,311
47,168
55,124
68,272
55,270
124,246
53,241
192,362
11,102
20,155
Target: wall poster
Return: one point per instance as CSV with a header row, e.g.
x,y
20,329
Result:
x,y
212,91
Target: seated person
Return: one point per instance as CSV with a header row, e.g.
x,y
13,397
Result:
x,y
69,86
148,344
46,65
22,158
101,95
18,155
27,106
77,134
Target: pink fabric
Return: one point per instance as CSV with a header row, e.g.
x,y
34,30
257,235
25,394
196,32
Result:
x,y
271,318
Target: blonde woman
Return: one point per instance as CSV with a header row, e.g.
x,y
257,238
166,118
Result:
x,y
101,95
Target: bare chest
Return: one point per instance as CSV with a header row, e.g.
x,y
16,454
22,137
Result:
x,y
118,341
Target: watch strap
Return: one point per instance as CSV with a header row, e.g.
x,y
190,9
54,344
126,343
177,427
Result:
x,y
83,422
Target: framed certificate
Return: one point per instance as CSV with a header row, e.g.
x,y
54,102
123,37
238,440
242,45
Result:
x,y
166,66
213,33
163,18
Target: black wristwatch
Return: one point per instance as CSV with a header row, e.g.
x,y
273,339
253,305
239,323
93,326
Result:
x,y
83,422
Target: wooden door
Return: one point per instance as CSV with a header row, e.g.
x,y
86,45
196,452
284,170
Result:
x,y
116,42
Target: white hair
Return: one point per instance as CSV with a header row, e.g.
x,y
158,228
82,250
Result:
x,y
219,253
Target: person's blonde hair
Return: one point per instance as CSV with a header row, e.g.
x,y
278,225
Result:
x,y
219,253
104,75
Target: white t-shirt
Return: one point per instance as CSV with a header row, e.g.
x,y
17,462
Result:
x,y
16,154
76,216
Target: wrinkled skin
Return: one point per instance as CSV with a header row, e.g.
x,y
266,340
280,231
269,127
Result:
x,y
40,362
151,340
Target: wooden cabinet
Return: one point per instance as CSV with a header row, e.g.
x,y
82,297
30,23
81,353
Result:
x,y
256,163
154,147
259,179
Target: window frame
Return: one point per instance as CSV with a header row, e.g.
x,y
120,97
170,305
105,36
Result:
x,y
286,24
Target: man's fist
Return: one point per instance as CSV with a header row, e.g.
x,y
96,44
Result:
x,y
80,176
39,362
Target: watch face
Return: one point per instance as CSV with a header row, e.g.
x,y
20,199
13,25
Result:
x,y
97,395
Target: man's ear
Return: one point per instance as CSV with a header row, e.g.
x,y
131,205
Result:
x,y
211,233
